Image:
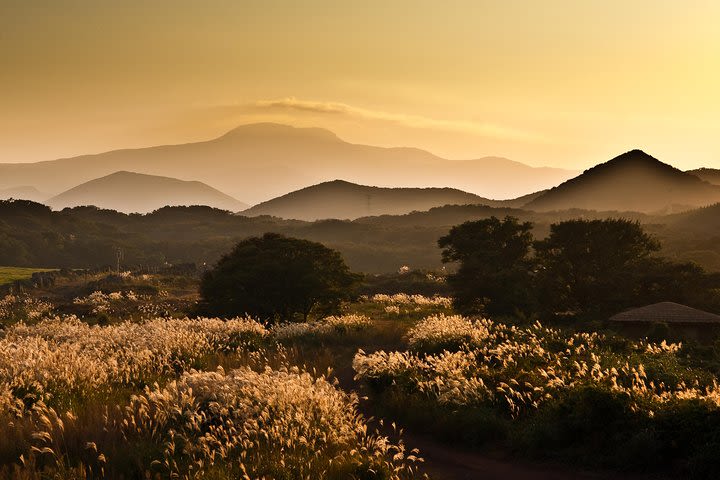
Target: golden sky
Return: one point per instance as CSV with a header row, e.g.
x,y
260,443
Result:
x,y
566,83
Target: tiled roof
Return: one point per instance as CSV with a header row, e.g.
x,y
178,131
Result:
x,y
666,312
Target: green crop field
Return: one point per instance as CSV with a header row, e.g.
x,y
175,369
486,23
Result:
x,y
10,274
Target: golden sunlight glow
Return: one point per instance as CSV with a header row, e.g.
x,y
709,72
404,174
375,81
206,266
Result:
x,y
561,83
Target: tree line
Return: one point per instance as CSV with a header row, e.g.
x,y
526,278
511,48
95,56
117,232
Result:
x,y
583,268
33,235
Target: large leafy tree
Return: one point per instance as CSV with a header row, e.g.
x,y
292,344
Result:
x,y
593,266
495,272
276,278
662,280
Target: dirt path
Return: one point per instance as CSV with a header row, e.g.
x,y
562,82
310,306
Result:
x,y
443,462
452,462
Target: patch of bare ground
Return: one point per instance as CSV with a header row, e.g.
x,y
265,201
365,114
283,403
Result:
x,y
445,462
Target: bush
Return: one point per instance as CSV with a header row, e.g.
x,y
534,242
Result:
x,y
588,421
274,278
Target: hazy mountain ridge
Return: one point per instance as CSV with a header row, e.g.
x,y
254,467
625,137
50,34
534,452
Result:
x,y
23,193
258,162
266,161
710,175
705,219
631,181
339,199
131,192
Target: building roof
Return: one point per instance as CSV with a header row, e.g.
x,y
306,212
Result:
x,y
666,312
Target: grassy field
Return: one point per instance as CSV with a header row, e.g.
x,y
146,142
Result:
x,y
52,409
132,388
11,274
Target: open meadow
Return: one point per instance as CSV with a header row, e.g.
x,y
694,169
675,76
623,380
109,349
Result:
x,y
136,388
138,395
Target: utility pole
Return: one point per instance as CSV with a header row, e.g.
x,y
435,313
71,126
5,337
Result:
x,y
118,256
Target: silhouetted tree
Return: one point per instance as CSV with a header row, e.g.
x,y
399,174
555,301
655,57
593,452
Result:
x,y
274,277
494,274
594,266
687,283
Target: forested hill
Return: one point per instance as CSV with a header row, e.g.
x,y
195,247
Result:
x,y
631,181
340,199
86,237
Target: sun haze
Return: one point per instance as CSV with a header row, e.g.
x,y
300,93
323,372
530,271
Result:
x,y
564,84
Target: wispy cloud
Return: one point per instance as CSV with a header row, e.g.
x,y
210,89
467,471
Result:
x,y
416,121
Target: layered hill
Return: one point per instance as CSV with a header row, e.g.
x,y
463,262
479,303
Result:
x,y
710,175
344,200
23,193
703,221
138,193
632,181
258,162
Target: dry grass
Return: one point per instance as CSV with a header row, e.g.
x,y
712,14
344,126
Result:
x,y
483,362
127,401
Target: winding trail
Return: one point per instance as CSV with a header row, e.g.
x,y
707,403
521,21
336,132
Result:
x,y
443,461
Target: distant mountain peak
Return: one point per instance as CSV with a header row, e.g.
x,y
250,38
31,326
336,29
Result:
x,y
339,184
277,130
149,192
633,180
342,199
337,181
125,173
635,157
637,152
633,162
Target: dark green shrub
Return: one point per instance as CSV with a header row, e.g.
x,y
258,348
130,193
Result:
x,y
274,277
585,424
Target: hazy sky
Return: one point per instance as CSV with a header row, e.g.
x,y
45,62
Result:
x,y
563,83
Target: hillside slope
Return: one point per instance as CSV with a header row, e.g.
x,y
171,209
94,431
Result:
x,y
23,193
344,200
710,175
137,193
632,181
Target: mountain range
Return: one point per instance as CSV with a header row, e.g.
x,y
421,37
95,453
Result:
x,y
631,182
266,161
258,162
130,192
